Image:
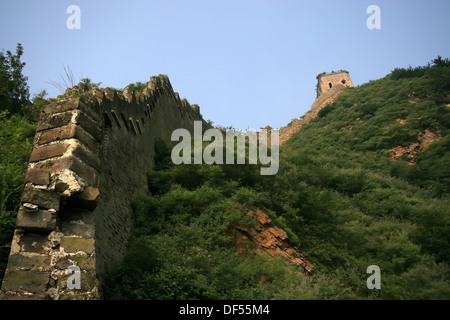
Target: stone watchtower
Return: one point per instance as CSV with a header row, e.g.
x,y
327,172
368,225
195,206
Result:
x,y
327,81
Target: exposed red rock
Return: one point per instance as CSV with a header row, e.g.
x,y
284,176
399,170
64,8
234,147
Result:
x,y
266,238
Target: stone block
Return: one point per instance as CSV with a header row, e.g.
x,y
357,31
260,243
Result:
x,y
41,197
74,164
88,106
75,244
49,121
85,199
68,132
26,281
34,243
48,151
38,176
40,221
90,126
61,106
85,263
87,157
20,261
56,134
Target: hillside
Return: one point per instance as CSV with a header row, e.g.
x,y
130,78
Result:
x,y
364,183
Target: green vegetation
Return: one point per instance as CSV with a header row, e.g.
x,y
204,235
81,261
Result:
x,y
89,85
338,195
135,86
14,91
180,248
17,128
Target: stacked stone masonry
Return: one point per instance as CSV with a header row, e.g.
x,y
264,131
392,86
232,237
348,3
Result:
x,y
327,81
91,154
326,95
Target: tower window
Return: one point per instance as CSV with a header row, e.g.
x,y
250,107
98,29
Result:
x,y
330,85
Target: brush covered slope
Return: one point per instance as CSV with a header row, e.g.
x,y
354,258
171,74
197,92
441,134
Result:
x,y
365,183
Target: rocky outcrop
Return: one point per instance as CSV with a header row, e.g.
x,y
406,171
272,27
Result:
x,y
263,237
413,150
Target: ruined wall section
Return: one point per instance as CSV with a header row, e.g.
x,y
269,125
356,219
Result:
x,y
90,158
321,102
327,81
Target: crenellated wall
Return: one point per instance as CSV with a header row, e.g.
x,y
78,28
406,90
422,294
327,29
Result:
x,y
91,154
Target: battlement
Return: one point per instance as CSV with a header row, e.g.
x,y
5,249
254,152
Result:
x,y
326,81
91,155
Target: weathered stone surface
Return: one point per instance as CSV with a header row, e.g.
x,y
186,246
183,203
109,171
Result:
x,y
28,262
328,81
38,177
55,238
34,243
49,121
85,199
84,103
68,132
36,296
321,102
90,126
26,281
48,151
85,263
29,207
78,229
40,221
87,157
63,263
75,244
74,164
87,140
60,107
67,182
41,197
87,282
56,134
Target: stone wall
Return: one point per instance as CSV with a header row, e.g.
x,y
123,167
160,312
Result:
x,y
91,154
321,102
327,81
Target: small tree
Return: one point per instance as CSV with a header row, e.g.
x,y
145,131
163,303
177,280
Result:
x,y
89,84
14,90
138,86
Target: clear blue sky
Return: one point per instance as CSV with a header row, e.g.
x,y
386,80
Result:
x,y
247,63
